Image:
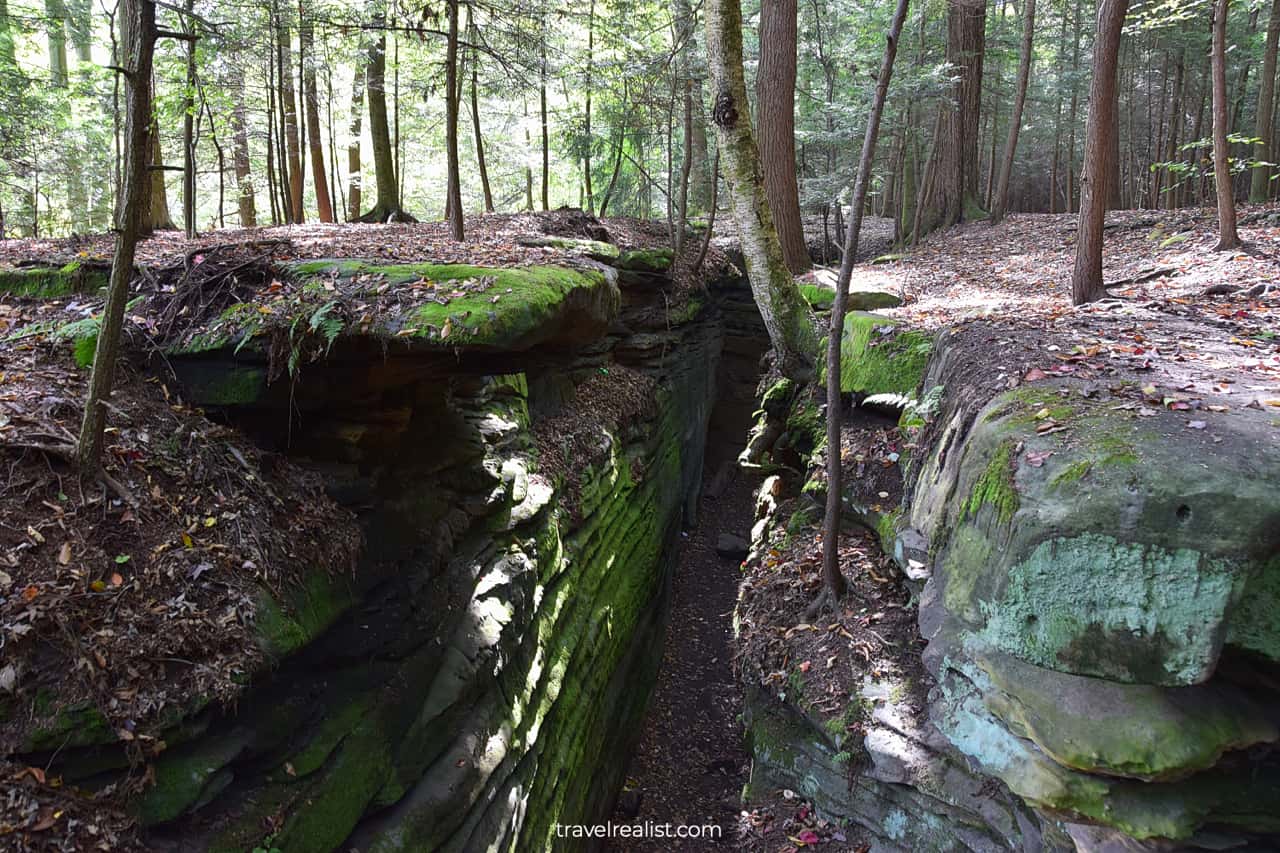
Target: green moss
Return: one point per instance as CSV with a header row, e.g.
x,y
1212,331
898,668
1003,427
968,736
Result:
x,y
605,252
308,610
994,487
819,298
806,428
81,724
1073,472
183,774
887,528
52,282
687,312
778,397
645,260
877,356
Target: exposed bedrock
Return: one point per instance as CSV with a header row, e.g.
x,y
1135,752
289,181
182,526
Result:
x,y
521,481
1099,598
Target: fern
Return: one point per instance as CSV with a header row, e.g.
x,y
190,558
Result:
x,y
326,325
85,349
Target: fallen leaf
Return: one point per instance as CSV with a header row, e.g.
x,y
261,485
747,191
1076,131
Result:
x,y
30,592
116,579
64,553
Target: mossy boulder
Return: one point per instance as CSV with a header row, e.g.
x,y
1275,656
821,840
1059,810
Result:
x,y
653,260
52,282
879,355
1091,569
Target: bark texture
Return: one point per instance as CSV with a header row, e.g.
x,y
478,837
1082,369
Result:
x,y
776,110
1227,237
138,31
1001,200
951,185
1260,181
1101,131
785,314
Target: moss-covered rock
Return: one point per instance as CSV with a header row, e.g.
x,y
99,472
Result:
x,y
879,356
50,282
477,308
653,260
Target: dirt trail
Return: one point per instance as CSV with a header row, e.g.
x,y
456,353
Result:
x,y
691,764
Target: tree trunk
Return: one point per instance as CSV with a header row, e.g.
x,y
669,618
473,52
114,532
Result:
x,y
475,120
1100,131
776,108
138,28
56,29
1227,237
589,139
546,138
835,581
310,97
293,143
952,181
684,34
452,93
1015,120
1260,181
188,134
157,216
785,314
355,178
1075,106
8,58
387,204
244,177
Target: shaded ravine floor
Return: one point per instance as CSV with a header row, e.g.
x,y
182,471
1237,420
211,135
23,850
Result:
x,y
691,762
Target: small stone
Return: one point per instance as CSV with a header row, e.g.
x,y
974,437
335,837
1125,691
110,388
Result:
x,y
732,546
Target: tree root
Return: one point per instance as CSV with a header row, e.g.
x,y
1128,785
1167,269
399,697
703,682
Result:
x,y
67,453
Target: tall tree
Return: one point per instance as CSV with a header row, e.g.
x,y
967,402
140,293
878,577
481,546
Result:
x,y
188,129
1264,149
293,141
386,206
949,192
475,116
1228,239
835,582
310,97
776,109
1001,200
243,166
157,216
785,314
1100,132
8,58
55,14
453,92
138,31
355,177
